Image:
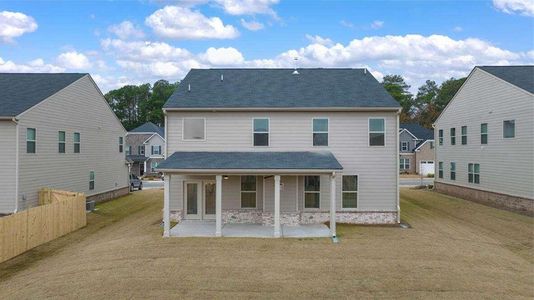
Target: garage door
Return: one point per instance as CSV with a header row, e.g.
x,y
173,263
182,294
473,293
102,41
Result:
x,y
426,167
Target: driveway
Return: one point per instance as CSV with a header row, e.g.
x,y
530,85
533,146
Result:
x,y
152,184
411,181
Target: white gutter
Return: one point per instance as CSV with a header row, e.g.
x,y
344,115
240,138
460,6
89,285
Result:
x,y
214,109
250,171
165,155
17,146
398,169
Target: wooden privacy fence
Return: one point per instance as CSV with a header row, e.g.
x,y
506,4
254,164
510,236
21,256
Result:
x,y
60,212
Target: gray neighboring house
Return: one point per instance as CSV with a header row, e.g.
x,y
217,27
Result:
x,y
485,148
281,146
416,149
145,148
57,131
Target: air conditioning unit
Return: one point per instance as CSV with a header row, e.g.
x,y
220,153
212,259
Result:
x,y
90,205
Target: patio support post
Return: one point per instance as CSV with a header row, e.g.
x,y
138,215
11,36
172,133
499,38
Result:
x,y
218,205
333,205
166,206
276,206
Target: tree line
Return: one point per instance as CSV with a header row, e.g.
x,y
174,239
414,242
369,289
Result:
x,y
136,104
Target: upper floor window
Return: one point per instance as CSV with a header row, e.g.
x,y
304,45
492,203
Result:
x,y
312,191
377,132
320,132
349,191
453,171
156,149
440,169
484,133
453,136
440,138
248,191
92,180
121,144
261,132
61,141
508,129
141,150
404,146
77,141
194,129
31,138
464,135
128,150
473,173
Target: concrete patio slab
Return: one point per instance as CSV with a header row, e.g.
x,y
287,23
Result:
x,y
306,231
248,230
191,228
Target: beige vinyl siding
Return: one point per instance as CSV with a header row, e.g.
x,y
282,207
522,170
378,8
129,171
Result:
x,y
425,153
292,131
505,164
78,108
7,166
155,140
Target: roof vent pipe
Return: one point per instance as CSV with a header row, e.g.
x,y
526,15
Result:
x,y
365,71
222,77
189,87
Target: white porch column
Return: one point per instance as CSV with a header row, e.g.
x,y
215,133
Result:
x,y
144,168
277,206
333,205
218,205
166,206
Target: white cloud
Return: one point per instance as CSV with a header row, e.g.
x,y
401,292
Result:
x,y
458,29
222,57
522,7
248,7
126,30
377,24
73,60
183,23
316,39
36,65
252,25
15,24
346,24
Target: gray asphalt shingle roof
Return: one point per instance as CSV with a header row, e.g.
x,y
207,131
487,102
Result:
x,y
419,131
21,91
150,127
323,160
279,88
520,76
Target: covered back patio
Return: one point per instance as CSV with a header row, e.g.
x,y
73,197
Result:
x,y
221,165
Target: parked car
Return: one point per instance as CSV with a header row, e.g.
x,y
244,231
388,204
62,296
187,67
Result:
x,y
135,183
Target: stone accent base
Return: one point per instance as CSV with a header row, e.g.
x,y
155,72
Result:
x,y
241,216
106,196
356,217
517,204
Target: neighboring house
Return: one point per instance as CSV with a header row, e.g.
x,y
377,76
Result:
x,y
145,147
485,147
57,131
416,149
281,146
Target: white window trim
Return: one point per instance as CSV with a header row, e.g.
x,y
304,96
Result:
x,y
304,194
504,138
62,142
141,147
121,144
452,136
441,169
404,164
441,138
354,192
241,194
194,140
404,146
451,170
93,181
485,134
474,173
268,132
369,131
462,135
327,131
158,147
34,140
77,143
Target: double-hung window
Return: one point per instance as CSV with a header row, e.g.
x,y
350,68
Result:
x,y
453,171
349,191
508,129
261,131
440,138
464,135
484,133
473,173
440,169
121,144
31,138
91,180
320,132
156,149
453,136
194,129
77,141
404,146
141,150
377,132
404,163
248,191
128,150
312,191
61,142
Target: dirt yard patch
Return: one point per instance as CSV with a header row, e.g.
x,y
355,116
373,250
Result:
x,y
456,249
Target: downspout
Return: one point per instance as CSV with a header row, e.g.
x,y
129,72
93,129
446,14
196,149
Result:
x,y
17,146
398,170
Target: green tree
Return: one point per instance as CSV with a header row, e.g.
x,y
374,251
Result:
x,y
399,90
447,90
425,103
161,91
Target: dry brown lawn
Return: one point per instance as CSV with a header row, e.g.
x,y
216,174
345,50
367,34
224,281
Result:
x,y
456,249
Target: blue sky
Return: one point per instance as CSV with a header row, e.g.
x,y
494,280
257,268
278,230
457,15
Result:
x,y
123,42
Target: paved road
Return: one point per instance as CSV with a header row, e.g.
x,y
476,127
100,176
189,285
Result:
x,y
415,181
152,184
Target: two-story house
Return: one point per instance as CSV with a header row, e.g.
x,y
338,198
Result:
x,y
145,148
485,147
57,131
416,149
281,147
